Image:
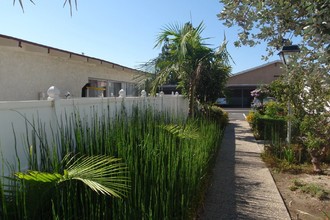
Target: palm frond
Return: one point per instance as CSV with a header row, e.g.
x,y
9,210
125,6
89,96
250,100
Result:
x,y
69,2
70,5
103,174
183,132
162,76
39,176
21,3
223,53
170,31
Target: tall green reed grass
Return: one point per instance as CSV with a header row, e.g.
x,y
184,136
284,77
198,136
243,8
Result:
x,y
168,160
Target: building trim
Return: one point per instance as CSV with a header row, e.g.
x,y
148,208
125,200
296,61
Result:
x,y
243,85
257,67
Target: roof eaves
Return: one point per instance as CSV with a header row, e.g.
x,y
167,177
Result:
x,y
257,67
20,41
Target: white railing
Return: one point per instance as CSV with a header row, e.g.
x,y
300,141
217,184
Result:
x,y
16,116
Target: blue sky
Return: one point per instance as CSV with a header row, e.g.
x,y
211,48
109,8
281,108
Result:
x,y
123,32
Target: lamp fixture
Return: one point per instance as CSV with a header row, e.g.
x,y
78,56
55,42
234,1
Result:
x,y
286,53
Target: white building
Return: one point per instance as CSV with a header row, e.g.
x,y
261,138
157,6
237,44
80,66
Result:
x,y
28,69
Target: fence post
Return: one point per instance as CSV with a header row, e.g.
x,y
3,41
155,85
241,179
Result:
x,y
144,98
53,93
54,96
161,95
122,93
177,104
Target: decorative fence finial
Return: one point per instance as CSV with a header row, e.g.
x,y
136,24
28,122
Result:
x,y
53,93
68,95
122,93
143,93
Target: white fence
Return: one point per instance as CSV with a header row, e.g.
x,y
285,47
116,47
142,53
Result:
x,y
15,118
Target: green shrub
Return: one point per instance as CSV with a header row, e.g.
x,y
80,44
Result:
x,y
274,110
315,129
250,117
268,123
271,128
216,114
267,128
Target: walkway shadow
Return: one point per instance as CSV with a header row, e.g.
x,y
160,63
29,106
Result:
x,y
220,200
234,190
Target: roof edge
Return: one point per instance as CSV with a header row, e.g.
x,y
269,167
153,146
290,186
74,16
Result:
x,y
66,51
257,67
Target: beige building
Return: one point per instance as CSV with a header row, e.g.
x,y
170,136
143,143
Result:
x,y
240,85
28,69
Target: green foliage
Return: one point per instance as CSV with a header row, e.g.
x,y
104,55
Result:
x,y
102,174
39,176
308,92
315,129
216,114
212,83
312,189
38,191
270,125
270,128
184,132
185,58
156,148
275,110
272,21
305,85
289,154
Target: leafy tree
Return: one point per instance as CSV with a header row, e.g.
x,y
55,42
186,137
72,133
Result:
x,y
306,82
273,21
185,57
212,82
308,91
211,85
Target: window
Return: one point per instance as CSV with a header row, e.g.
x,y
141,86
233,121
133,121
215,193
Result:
x,y
131,89
106,88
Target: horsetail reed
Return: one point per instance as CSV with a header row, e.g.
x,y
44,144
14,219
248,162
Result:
x,y
167,159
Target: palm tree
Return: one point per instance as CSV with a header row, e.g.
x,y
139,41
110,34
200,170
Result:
x,y
185,55
40,191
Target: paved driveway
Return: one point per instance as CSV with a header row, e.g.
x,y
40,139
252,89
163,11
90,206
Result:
x,y
237,113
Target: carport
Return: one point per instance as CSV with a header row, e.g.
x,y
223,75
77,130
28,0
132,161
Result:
x,y
240,85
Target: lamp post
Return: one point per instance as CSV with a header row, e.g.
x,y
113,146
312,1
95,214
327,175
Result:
x,y
285,55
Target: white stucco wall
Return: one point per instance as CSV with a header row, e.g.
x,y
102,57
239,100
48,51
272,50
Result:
x,y
17,119
30,69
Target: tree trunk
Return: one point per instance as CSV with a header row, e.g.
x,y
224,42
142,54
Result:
x,y
192,89
191,100
317,156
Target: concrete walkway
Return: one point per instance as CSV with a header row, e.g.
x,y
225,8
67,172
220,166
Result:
x,y
242,187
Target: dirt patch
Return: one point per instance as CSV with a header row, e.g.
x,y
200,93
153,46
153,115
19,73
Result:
x,y
301,203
